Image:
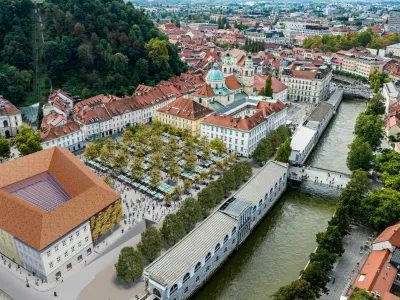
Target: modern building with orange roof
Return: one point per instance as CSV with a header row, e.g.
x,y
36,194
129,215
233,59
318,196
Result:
x,y
183,113
50,202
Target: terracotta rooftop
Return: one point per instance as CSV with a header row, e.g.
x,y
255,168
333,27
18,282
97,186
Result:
x,y
51,132
185,108
391,234
232,83
7,108
205,90
377,274
259,83
88,195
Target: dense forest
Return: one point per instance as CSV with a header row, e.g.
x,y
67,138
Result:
x,y
16,67
333,43
104,46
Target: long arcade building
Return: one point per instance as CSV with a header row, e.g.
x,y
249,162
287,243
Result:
x,y
48,202
184,268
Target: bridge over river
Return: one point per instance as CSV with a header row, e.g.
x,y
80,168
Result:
x,y
280,246
318,176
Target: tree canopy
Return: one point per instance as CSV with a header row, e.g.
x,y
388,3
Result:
x,y
105,46
28,140
360,155
370,129
129,265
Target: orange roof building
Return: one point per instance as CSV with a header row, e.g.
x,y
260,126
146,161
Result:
x,y
47,200
242,124
183,113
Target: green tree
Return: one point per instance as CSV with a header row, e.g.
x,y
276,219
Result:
x,y
376,105
130,264
228,180
360,155
389,161
381,208
92,151
331,240
5,148
120,161
218,145
190,212
155,178
297,290
158,52
27,140
391,181
317,276
190,161
370,129
267,89
207,201
284,151
325,258
168,199
142,69
361,294
137,169
341,219
151,243
173,229
187,185
217,189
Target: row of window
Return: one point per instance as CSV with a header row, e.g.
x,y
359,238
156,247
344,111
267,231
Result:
x,y
69,266
198,266
71,239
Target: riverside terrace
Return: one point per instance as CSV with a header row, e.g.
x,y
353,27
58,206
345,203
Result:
x,y
184,268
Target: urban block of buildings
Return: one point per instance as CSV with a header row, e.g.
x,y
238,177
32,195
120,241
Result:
x,y
48,201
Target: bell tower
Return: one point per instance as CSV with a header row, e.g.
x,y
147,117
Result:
x,y
227,65
248,75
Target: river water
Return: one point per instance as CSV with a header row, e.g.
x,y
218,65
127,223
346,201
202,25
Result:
x,y
280,246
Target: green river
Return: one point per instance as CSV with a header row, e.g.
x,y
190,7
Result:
x,y
279,247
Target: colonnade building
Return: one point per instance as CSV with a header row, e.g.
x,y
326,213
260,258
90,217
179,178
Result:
x,y
183,269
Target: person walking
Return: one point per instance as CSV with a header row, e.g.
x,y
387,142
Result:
x,y
55,294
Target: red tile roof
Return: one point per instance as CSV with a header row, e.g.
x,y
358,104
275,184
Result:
x,y
232,83
89,195
277,86
185,108
7,108
205,91
51,132
391,234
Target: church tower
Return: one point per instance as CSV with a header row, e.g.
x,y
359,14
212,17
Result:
x,y
227,65
248,76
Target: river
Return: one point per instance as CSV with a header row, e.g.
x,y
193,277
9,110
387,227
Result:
x,y
280,246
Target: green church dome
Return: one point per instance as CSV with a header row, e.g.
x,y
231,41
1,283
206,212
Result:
x,y
215,74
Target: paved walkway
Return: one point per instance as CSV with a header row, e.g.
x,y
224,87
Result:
x,y
346,267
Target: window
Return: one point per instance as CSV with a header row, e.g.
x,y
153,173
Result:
x,y
233,230
56,248
197,278
89,251
86,239
217,258
72,248
79,244
186,289
186,277
226,249
51,265
197,267
233,241
217,247
173,289
48,253
71,238
208,256
69,266
79,258
226,238
77,234
66,253
362,277
208,268
59,259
